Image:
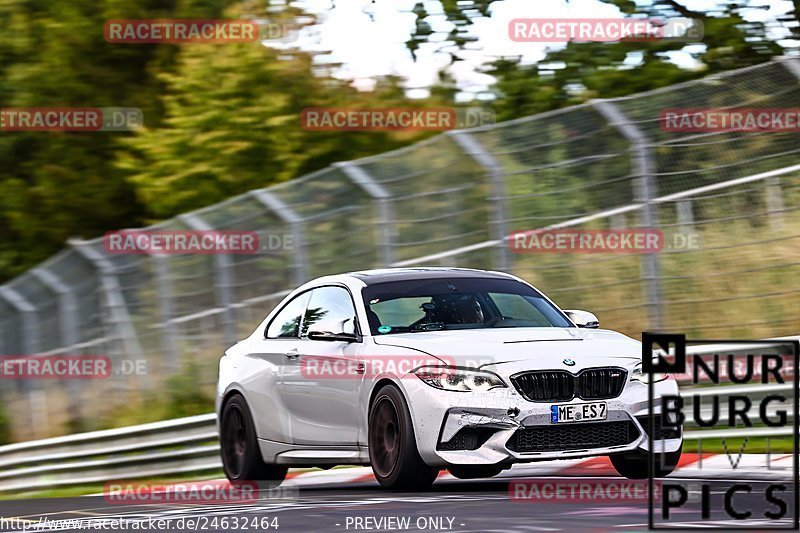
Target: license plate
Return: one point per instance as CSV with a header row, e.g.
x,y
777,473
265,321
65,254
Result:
x,y
578,412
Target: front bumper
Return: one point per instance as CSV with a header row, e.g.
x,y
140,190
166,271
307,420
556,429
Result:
x,y
500,426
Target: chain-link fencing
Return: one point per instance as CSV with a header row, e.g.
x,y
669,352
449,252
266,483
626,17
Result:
x,y
451,200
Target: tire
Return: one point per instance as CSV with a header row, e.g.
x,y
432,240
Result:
x,y
393,452
475,472
633,465
241,457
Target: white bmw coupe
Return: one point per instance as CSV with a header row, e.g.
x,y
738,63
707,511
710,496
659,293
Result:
x,y
416,370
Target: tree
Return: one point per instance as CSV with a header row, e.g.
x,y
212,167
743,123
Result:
x,y
220,119
243,131
581,71
60,185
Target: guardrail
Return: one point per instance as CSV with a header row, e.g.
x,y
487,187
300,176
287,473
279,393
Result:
x,y
148,450
191,444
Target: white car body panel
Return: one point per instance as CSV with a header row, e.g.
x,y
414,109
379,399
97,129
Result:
x,y
300,420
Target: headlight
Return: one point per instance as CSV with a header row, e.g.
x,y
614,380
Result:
x,y
643,377
458,379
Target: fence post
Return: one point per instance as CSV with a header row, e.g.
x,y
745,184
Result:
x,y
494,170
377,192
223,280
166,309
641,167
29,336
295,223
685,214
774,201
791,64
114,299
68,326
30,321
5,350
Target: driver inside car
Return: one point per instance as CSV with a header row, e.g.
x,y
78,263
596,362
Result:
x,y
467,310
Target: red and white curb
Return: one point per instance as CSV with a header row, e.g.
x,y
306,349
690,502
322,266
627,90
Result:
x,y
692,466
707,466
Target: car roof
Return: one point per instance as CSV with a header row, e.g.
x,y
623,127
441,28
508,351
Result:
x,y
384,275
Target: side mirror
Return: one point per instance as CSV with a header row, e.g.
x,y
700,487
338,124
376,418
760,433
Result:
x,y
583,319
334,331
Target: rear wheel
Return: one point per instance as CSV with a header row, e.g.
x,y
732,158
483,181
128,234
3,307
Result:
x,y
393,452
633,465
241,458
475,472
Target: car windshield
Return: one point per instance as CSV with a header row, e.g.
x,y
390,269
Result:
x,y
458,303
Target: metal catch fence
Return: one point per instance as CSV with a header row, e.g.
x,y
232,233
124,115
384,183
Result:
x,y
450,200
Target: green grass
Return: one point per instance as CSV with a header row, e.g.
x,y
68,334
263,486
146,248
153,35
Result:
x,y
97,488
776,446
717,291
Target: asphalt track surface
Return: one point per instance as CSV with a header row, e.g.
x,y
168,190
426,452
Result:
x,y
451,505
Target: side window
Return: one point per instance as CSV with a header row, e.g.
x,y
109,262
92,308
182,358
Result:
x,y
287,322
328,303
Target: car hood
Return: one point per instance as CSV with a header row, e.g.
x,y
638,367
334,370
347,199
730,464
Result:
x,y
516,349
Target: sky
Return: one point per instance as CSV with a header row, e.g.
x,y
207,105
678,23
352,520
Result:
x,y
368,38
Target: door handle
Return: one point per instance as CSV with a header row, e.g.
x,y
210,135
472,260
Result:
x,y
292,354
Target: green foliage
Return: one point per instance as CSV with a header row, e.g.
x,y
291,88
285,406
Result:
x,y
458,12
178,396
184,397
59,185
241,131
223,119
219,120
582,71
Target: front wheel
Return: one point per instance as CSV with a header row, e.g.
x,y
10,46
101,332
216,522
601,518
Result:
x,y
633,465
393,450
241,458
